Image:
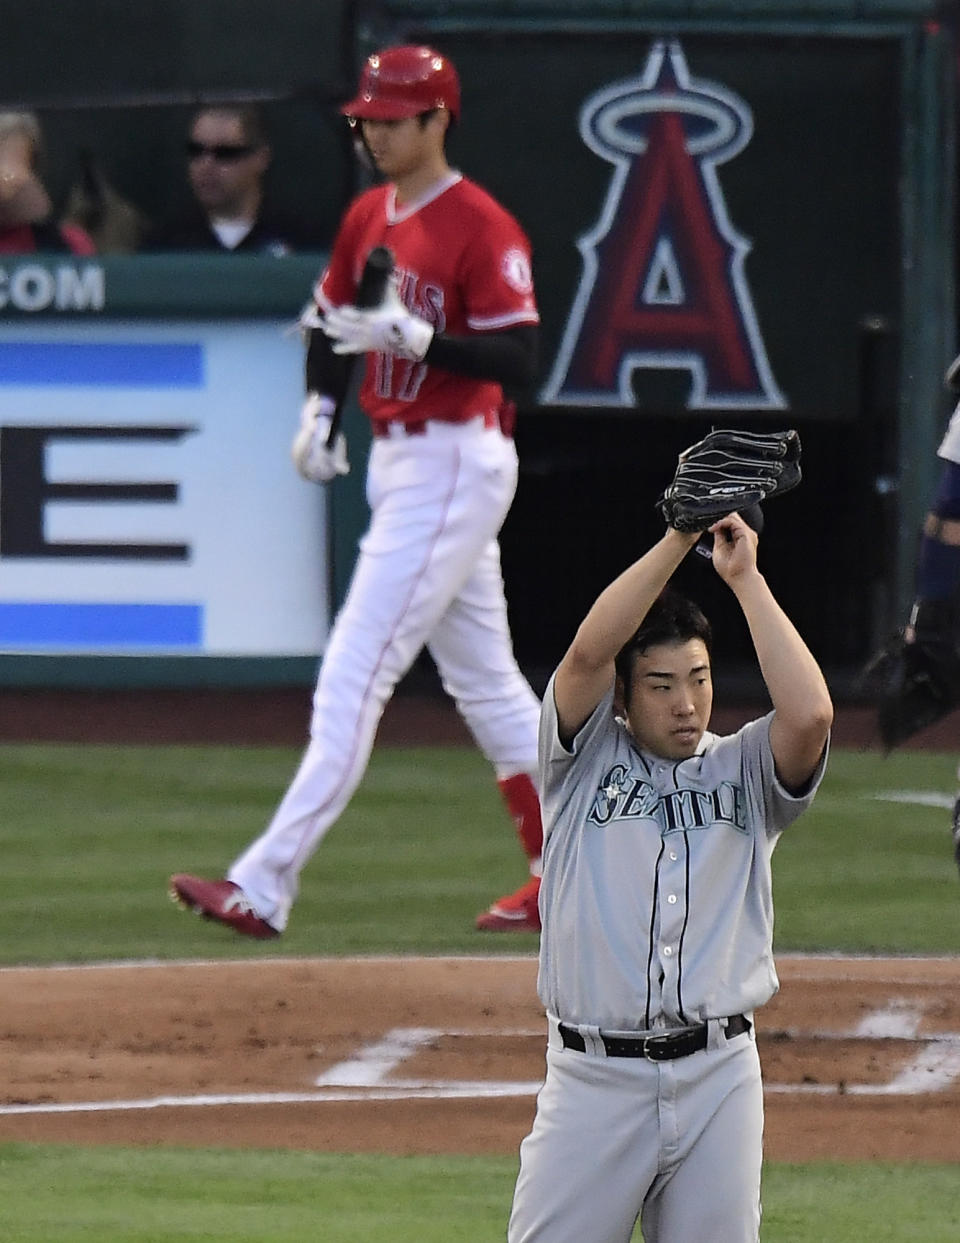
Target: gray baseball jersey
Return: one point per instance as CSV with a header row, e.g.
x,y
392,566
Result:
x,y
656,895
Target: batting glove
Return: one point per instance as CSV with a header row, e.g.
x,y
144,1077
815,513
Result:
x,y
309,318
311,456
388,329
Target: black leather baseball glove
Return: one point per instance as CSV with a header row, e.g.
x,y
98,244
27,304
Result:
x,y
729,471
915,677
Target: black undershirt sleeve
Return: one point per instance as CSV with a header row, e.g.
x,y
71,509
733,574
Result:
x,y
509,357
326,372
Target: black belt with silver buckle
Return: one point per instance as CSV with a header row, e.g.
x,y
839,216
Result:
x,y
655,1048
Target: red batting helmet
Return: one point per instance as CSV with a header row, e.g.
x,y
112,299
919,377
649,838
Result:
x,y
402,82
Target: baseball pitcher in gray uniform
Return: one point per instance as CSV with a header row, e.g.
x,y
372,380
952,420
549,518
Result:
x,y
656,906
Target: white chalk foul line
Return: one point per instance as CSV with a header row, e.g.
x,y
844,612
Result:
x,y
399,1092
933,1069
361,1078
374,1062
916,798
897,1020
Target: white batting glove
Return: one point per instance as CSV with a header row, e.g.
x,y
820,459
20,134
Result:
x,y
312,458
387,329
310,317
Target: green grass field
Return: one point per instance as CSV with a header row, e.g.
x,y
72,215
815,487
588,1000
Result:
x,y
89,835
64,1195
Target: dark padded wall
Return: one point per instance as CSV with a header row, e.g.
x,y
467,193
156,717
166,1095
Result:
x,y
815,192
109,58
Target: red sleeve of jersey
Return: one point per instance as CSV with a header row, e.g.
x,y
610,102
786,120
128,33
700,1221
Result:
x,y
338,281
499,284
335,286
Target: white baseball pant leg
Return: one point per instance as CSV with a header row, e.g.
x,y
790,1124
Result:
x,y
675,1144
473,652
437,501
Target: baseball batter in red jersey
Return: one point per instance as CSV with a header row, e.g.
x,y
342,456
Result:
x,y
458,323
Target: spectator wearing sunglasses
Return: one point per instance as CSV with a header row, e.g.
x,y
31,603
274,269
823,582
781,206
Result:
x,y
228,155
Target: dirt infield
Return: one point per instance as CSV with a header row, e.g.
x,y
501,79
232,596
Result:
x,y
279,716
861,1057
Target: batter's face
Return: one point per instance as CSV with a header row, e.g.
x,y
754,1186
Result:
x,y
402,148
671,697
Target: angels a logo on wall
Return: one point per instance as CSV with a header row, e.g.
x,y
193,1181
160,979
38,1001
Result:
x,y
663,283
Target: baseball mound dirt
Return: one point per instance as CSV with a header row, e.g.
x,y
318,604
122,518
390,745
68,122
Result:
x,y
861,1057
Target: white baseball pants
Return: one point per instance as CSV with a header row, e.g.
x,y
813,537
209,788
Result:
x,y
428,573
677,1145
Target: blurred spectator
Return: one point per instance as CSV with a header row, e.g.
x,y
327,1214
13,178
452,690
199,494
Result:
x,y
116,225
228,155
26,212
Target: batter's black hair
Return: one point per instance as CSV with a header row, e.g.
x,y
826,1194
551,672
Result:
x,y
424,117
672,618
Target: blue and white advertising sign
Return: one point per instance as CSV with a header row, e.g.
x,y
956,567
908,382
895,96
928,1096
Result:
x,y
148,503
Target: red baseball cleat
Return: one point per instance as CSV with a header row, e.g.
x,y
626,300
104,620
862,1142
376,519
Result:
x,y
221,900
518,912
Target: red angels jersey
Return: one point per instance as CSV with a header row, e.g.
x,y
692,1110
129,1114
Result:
x,y
462,263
